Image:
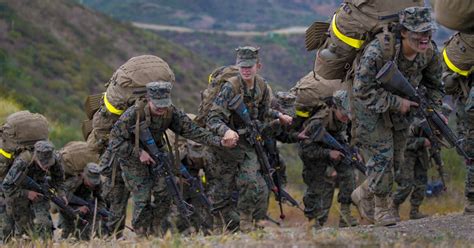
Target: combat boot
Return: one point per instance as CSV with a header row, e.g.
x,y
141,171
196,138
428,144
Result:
x,y
246,223
416,214
395,208
345,217
383,215
364,200
469,207
315,224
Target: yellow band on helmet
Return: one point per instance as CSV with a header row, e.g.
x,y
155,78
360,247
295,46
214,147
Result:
x,y
355,43
111,107
6,154
452,66
304,114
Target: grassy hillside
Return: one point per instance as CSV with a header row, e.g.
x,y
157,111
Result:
x,y
54,53
215,14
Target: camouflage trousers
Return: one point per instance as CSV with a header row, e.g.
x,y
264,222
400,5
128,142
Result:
x,y
465,130
412,178
241,173
321,186
31,218
116,197
385,148
7,225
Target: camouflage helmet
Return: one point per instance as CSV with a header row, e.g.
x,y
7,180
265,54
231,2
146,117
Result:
x,y
92,173
417,19
159,93
247,56
44,152
286,102
341,100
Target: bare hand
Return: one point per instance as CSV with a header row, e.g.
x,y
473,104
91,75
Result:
x,y
65,200
302,135
285,119
427,143
445,120
83,209
230,138
34,196
406,105
145,158
336,155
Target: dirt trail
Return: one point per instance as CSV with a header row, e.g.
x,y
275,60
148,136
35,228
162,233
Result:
x,y
283,31
454,230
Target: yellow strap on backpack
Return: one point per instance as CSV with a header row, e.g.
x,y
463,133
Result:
x,y
355,43
6,154
452,66
111,107
304,114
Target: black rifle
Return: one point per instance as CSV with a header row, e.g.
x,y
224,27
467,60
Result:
x,y
434,150
195,185
162,168
393,81
351,156
255,138
102,212
49,193
274,160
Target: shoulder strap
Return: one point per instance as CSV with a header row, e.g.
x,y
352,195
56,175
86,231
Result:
x,y
236,85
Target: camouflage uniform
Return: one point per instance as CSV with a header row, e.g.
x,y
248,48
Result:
x,y
7,225
238,168
33,216
380,129
413,177
136,175
88,191
318,166
458,77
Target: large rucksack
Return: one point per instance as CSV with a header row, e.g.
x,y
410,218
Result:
x,y
22,130
123,89
217,78
75,155
353,26
312,91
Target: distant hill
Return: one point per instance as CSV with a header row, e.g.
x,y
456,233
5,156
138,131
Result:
x,y
218,14
54,53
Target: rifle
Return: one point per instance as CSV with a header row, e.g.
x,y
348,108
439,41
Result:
x,y
351,157
49,193
255,139
196,186
162,168
435,150
393,81
102,212
282,196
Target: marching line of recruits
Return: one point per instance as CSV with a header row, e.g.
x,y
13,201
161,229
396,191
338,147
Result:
x,y
383,124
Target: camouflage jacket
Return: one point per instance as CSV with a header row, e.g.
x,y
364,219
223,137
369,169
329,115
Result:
x,y
327,119
74,185
122,135
425,69
23,164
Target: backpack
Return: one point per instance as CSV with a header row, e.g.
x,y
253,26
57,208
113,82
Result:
x,y
125,87
312,91
353,26
22,130
75,156
217,79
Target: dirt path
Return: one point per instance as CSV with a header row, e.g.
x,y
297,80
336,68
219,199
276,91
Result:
x,y
454,230
283,31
